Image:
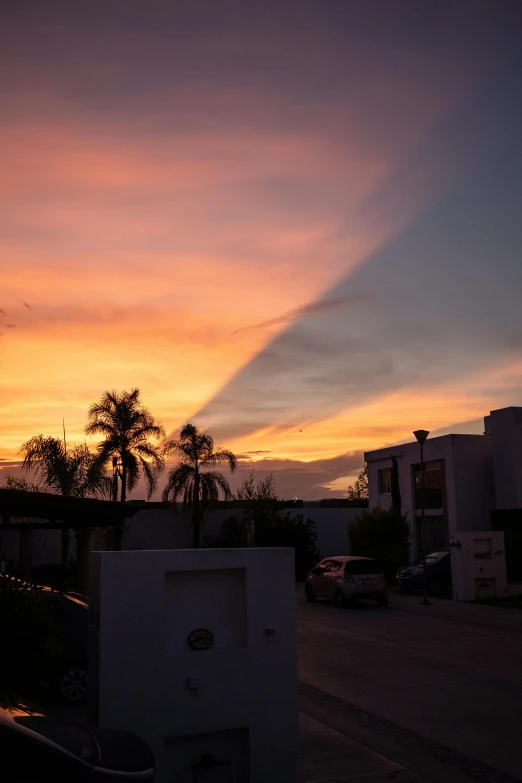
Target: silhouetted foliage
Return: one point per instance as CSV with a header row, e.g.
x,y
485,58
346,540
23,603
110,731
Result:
x,y
263,523
359,489
190,480
74,471
383,534
261,499
127,427
21,484
396,487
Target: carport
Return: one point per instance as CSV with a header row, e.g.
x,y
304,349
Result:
x,y
28,511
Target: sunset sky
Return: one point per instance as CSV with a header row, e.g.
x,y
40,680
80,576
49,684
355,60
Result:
x,y
298,224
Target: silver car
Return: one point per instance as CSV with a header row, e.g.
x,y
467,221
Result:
x,y
342,579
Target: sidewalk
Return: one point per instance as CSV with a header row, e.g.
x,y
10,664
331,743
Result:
x,y
459,611
329,756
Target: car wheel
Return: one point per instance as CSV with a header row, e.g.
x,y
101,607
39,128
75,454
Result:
x,y
434,586
310,595
73,685
382,599
340,600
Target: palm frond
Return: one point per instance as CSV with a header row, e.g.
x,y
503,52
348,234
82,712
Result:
x,y
150,477
178,479
218,482
218,456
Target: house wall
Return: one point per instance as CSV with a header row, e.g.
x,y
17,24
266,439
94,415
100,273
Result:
x,y
506,430
473,481
45,546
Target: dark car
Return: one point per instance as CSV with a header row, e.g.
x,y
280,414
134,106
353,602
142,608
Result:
x,y
71,635
438,571
36,749
66,639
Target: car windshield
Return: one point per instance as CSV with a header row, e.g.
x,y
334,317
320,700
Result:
x,y
358,567
435,556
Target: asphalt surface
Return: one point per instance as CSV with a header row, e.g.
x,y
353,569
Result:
x,y
438,688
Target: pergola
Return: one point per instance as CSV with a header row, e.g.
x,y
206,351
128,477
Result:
x,y
57,511
52,512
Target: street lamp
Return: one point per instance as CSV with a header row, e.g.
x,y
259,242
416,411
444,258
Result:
x,y
421,436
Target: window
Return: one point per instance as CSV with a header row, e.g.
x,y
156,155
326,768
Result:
x,y
335,565
322,567
433,484
357,567
384,481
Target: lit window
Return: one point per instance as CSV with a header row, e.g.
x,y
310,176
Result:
x,y
384,481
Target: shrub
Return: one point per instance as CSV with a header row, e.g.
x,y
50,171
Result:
x,y
382,534
272,528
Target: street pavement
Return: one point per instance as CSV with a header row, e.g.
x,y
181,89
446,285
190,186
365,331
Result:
x,y
434,688
408,693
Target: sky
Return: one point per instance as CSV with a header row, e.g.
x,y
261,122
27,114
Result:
x,y
299,229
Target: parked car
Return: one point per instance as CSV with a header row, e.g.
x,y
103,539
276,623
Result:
x,y
343,579
36,749
438,571
67,640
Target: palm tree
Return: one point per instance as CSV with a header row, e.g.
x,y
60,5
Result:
x,y
127,427
187,480
75,471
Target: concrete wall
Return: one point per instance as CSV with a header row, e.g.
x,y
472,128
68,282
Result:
x,y
45,546
160,528
164,528
236,700
472,479
506,430
478,565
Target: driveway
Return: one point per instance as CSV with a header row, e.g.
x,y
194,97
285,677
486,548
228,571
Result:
x,y
448,672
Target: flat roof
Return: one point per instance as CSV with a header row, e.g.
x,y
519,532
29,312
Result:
x,y
397,450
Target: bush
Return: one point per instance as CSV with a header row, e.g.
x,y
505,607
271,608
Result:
x,y
273,528
383,535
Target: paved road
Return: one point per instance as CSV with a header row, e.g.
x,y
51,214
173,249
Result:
x,y
451,677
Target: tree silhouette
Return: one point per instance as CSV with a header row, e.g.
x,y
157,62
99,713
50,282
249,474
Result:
x,y
190,479
72,471
127,426
359,489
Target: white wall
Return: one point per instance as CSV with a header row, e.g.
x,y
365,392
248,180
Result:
x,y
473,481
238,699
164,528
478,565
506,430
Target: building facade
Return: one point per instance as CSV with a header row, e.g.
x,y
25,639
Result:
x,y
466,477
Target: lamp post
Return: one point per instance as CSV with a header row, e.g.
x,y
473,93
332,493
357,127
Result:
x,y
421,436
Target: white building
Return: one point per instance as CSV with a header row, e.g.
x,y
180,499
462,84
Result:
x,y
466,478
